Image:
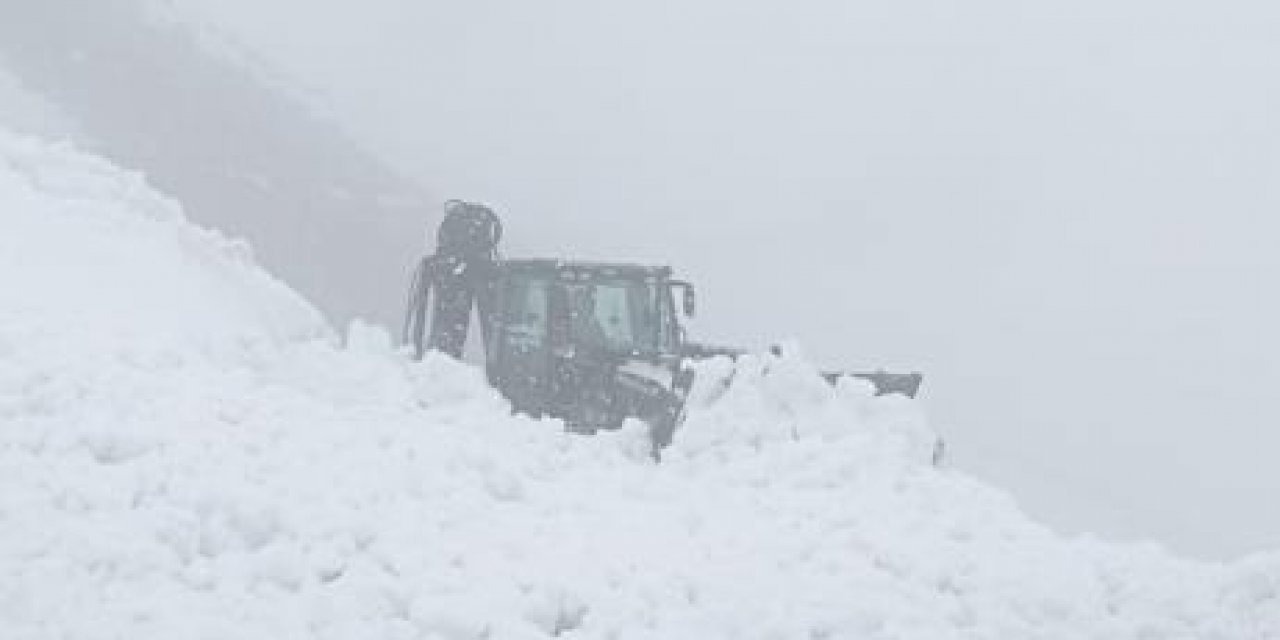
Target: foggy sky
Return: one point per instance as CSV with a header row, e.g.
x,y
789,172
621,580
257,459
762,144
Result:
x,y
1063,213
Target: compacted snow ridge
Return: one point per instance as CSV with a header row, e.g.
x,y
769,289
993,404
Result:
x,y
187,450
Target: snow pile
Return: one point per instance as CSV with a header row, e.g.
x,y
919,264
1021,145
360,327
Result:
x,y
187,452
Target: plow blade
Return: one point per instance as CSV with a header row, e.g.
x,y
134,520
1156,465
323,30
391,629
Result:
x,y
907,384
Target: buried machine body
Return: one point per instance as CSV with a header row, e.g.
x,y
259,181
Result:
x,y
590,343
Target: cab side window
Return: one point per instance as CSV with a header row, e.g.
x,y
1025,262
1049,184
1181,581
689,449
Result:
x,y
525,314
613,315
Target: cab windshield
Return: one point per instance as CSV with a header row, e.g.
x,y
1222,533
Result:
x,y
617,316
620,316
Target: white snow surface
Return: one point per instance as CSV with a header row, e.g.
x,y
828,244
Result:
x,y
188,451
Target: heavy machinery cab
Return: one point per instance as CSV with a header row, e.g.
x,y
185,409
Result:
x,y
566,336
617,308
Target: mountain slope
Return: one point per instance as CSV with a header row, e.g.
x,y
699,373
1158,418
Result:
x,y
243,154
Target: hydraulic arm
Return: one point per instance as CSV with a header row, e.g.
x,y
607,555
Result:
x,y
460,275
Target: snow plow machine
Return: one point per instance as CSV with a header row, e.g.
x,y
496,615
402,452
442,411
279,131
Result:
x,y
592,344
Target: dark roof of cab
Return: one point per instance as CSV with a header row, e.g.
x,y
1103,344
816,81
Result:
x,y
572,268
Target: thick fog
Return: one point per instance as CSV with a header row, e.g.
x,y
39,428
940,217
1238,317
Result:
x,y
1062,213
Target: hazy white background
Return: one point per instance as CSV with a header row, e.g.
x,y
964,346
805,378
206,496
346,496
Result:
x,y
1062,212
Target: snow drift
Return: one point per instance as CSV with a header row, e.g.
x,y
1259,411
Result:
x,y
187,450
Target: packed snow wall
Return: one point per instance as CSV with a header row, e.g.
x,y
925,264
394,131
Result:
x,y
188,450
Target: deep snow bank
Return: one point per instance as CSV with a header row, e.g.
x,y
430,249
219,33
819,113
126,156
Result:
x,y
186,452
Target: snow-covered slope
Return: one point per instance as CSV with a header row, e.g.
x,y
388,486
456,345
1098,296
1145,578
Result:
x,y
241,149
186,450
